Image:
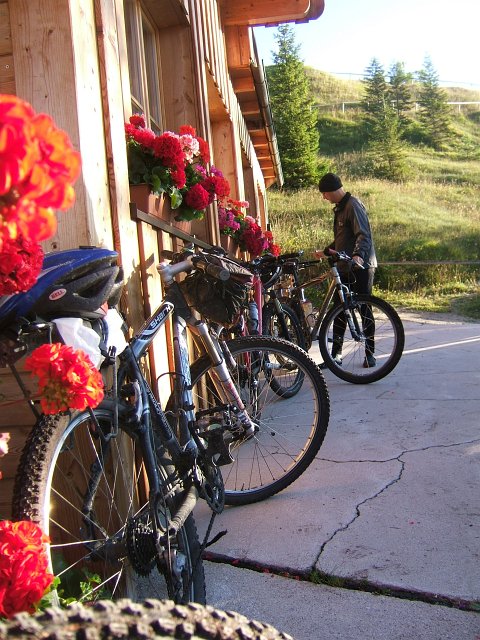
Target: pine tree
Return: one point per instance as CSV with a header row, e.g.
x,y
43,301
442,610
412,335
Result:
x,y
400,93
385,147
435,115
294,113
375,96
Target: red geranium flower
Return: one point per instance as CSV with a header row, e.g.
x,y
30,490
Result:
x,y
67,379
24,575
197,197
38,167
204,150
173,165
20,263
169,150
187,129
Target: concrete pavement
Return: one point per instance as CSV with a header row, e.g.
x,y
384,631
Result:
x,y
390,506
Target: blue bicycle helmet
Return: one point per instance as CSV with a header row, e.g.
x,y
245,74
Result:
x,y
72,283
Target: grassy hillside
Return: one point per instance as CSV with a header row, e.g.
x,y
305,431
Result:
x,y
434,215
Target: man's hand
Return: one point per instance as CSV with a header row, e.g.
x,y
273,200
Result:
x,y
358,260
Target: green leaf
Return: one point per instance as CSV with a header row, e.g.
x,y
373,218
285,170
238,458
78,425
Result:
x,y
176,198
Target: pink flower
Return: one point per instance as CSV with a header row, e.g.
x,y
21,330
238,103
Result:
x,y
4,438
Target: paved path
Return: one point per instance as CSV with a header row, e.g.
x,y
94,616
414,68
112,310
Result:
x,y
391,504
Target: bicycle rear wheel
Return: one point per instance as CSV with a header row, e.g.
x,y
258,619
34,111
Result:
x,y
89,497
291,331
290,429
381,334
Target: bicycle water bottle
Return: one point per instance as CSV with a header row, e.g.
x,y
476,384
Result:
x,y
307,308
308,312
252,322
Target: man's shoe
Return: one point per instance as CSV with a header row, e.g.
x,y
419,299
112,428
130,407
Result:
x,y
337,359
369,361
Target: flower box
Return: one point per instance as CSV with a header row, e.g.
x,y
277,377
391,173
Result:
x,y
158,206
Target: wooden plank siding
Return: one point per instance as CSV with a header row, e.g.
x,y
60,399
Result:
x,y
7,72
70,59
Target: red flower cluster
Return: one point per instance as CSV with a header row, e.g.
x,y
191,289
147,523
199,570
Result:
x,y
272,248
37,169
24,576
20,263
245,230
175,165
67,378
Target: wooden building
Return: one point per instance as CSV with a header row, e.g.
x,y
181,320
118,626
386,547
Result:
x,y
90,64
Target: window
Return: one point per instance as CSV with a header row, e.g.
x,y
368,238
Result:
x,y
143,64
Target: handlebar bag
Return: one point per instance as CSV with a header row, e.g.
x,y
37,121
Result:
x,y
218,300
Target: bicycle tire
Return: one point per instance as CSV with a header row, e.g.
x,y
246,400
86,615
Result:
x,y
290,429
297,308
106,620
389,340
63,471
272,327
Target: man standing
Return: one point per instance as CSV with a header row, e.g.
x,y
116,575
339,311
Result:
x,y
352,234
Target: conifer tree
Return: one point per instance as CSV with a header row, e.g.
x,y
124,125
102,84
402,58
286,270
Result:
x,y
375,93
400,93
435,115
294,112
385,147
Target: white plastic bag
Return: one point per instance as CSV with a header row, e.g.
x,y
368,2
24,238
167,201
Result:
x,y
115,335
78,336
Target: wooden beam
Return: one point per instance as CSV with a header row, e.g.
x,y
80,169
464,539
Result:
x,y
250,107
243,84
267,12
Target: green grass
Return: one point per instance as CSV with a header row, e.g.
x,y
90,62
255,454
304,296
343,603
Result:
x,y
434,215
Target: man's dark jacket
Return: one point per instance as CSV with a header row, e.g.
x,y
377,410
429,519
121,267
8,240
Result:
x,y
352,232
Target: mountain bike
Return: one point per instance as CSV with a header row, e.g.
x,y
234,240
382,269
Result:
x,y
114,487
356,325
265,314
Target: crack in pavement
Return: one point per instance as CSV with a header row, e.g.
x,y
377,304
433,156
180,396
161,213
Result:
x,y
314,576
366,585
388,485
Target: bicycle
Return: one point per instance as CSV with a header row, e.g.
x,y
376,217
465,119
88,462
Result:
x,y
114,487
264,314
369,324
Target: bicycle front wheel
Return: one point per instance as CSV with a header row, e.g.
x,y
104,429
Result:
x,y
88,495
376,348
289,429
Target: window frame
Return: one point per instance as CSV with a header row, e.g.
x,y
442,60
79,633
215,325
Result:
x,y
143,53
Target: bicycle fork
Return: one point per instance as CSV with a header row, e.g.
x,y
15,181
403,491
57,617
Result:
x,y
222,361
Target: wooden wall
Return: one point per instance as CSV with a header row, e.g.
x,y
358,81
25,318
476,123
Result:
x,y
68,58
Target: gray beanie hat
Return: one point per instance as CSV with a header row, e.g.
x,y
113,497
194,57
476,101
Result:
x,y
329,182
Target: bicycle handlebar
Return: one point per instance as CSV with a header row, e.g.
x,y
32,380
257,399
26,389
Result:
x,y
341,256
190,261
219,273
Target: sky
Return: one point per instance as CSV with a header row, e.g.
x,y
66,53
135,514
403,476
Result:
x,y
350,33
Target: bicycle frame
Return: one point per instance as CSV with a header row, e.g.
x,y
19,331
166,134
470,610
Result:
x,y
343,291
183,446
